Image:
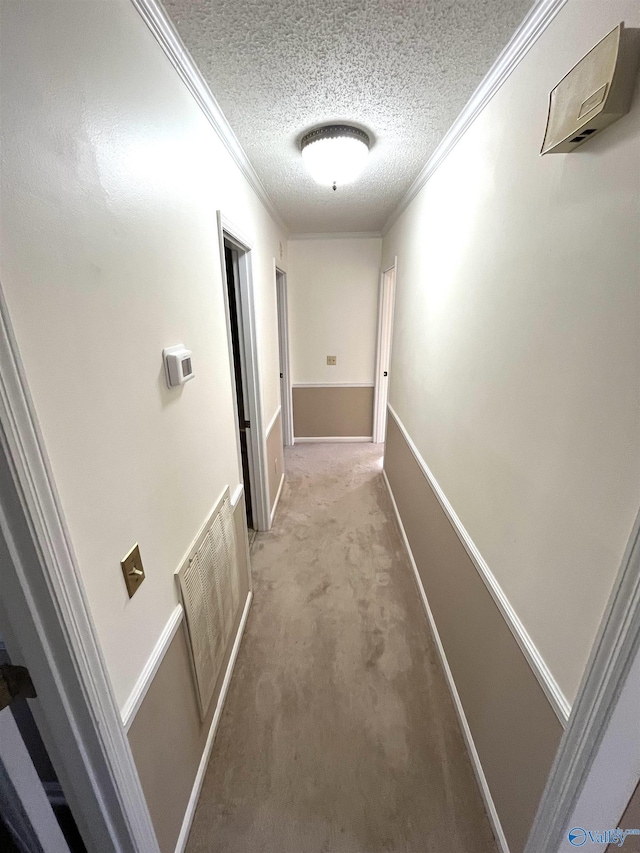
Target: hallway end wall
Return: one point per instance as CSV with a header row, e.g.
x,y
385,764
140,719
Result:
x,y
515,365
333,310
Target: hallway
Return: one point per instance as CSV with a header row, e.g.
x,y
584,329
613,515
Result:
x,y
338,733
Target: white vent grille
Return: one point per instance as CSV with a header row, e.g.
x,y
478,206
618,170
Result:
x,y
209,588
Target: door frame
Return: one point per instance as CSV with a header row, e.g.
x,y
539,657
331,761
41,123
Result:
x,y
228,231
34,818
615,648
286,398
47,626
384,345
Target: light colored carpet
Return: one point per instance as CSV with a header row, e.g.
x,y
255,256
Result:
x,y
338,734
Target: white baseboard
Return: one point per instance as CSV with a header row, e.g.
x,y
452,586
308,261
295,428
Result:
x,y
204,761
334,438
553,692
131,706
277,500
466,731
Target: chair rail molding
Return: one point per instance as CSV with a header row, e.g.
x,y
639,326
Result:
x,y
529,31
46,617
478,770
554,694
142,685
273,420
333,385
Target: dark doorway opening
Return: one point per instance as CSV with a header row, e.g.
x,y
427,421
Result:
x,y
237,338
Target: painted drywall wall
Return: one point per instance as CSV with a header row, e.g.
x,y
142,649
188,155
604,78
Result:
x,y
171,704
333,309
111,177
515,353
514,729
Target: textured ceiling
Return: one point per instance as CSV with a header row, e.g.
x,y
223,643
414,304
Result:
x,y
402,70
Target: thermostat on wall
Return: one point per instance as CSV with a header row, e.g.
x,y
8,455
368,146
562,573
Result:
x,y
177,365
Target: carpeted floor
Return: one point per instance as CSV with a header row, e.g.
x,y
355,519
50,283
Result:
x,y
338,734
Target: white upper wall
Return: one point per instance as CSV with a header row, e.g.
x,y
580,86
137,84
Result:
x,y
516,343
111,180
333,309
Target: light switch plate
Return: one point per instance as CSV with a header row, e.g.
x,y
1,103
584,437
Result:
x,y
332,359
133,570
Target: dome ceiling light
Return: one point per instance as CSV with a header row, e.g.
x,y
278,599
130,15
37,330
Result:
x,y
335,154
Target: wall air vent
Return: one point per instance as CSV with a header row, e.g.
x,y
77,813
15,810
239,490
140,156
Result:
x,y
595,93
209,589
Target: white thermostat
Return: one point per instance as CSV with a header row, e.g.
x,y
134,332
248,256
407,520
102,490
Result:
x,y
178,366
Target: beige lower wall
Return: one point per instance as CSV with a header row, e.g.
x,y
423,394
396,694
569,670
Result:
x,y
514,728
167,737
326,410
275,458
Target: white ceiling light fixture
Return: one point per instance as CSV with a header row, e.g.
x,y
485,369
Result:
x,y
335,154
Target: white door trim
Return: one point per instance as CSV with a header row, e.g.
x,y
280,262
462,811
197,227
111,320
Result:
x,y
48,627
257,438
386,303
615,648
24,783
286,394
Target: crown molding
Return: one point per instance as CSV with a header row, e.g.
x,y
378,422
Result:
x,y
338,235
529,31
155,17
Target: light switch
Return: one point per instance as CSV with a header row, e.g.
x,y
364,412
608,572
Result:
x,y
332,359
132,570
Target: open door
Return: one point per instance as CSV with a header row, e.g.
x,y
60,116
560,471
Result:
x,y
243,350
45,621
383,360
283,346
240,373
34,813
